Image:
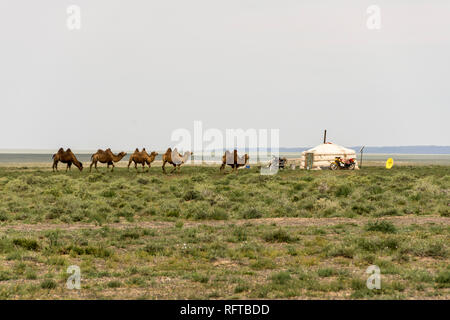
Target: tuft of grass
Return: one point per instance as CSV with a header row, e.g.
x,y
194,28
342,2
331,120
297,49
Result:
x,y
326,272
202,278
98,252
343,191
179,224
300,186
341,251
279,235
219,214
251,213
170,209
114,284
143,181
241,287
262,264
130,234
48,284
154,249
281,277
381,226
28,244
387,212
108,193
5,275
375,245
240,233
436,249
192,195
3,216
443,279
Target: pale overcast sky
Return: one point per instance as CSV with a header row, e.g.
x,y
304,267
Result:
x,y
137,70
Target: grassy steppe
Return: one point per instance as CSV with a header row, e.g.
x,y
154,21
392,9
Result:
x,y
203,234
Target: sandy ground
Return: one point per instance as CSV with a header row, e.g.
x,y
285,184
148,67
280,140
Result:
x,y
319,222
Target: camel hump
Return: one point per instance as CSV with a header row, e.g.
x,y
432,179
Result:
x,y
229,157
109,149
68,150
169,150
176,158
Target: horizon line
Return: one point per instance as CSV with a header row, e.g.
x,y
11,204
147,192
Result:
x,y
43,150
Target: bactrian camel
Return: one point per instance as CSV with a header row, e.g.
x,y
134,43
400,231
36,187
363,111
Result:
x,y
233,160
175,159
106,157
66,157
143,158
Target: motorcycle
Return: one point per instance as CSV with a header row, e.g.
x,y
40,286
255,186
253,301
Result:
x,y
338,163
282,162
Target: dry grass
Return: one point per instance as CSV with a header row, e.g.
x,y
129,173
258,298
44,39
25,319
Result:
x,y
306,235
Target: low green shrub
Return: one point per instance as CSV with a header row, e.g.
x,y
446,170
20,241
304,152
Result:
x,y
381,226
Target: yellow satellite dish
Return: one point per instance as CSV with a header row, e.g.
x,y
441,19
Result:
x,y
389,163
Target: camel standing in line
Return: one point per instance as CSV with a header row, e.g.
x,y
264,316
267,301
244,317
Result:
x,y
233,160
175,159
66,157
106,157
143,158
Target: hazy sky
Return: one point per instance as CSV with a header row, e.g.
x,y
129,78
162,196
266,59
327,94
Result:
x,y
137,70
